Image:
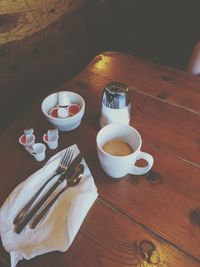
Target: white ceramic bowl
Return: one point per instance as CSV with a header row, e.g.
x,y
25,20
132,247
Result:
x,y
64,124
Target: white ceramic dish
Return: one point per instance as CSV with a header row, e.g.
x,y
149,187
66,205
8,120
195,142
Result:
x,y
63,124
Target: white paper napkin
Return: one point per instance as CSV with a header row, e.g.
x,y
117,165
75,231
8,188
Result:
x,y
60,226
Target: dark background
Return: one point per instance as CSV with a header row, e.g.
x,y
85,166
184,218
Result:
x,y
161,31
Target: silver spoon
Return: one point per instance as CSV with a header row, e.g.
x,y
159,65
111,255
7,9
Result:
x,y
74,180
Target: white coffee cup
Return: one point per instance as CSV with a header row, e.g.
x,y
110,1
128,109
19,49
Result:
x,y
119,166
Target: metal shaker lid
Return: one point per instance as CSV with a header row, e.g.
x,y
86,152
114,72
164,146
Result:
x,y
116,95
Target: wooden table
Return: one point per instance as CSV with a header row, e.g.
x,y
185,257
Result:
x,y
151,220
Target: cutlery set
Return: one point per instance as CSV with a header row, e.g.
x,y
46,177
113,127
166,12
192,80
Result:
x,y
32,214
74,179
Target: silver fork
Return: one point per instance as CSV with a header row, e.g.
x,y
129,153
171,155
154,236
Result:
x,y
60,170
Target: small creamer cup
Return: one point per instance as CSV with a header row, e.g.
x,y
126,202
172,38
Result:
x,y
38,151
51,138
119,166
27,140
51,144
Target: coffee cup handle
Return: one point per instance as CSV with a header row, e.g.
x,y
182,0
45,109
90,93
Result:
x,y
142,170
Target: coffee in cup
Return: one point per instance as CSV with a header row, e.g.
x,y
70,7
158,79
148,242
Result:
x,y
119,148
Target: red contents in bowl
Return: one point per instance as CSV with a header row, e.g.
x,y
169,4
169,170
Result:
x,y
73,109
54,112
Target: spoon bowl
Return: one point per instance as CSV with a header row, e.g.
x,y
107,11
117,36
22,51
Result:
x,y
76,177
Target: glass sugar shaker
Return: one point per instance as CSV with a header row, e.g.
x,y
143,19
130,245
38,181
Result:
x,y
116,104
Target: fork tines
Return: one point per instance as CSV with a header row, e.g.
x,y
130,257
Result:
x,y
67,158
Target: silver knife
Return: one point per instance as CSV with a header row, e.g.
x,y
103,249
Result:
x,y
18,227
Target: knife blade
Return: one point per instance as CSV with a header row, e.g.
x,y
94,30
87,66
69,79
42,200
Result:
x,y
21,225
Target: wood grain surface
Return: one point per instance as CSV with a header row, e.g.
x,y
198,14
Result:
x,y
104,241
21,19
137,219
40,41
